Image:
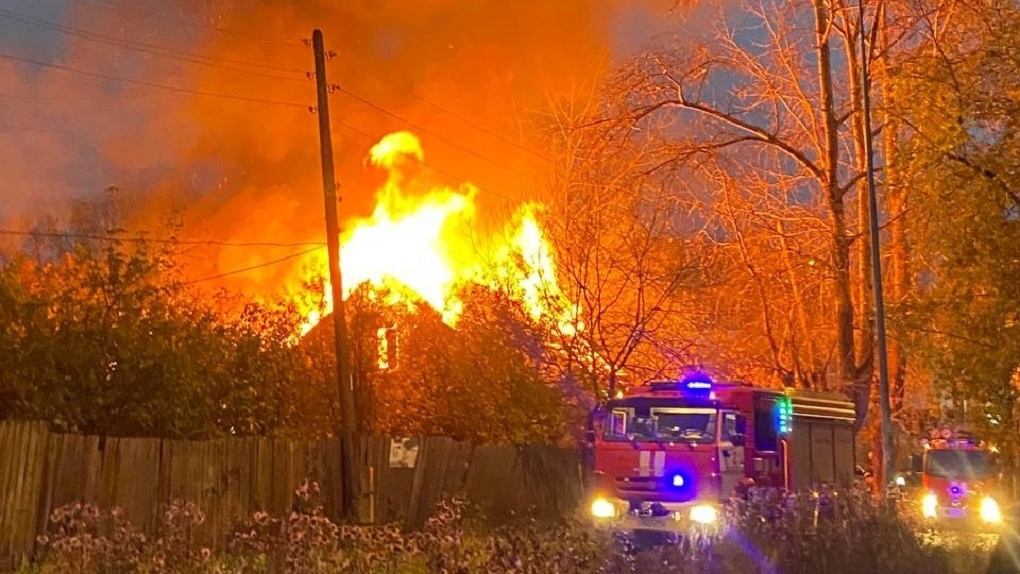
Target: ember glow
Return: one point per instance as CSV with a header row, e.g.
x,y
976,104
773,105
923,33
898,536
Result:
x,y
422,244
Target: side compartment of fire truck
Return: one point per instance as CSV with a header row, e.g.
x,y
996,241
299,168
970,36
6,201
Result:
x,y
820,445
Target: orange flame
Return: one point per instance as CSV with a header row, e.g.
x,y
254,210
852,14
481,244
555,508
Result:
x,y
422,248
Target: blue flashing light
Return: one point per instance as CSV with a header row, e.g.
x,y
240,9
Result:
x,y
784,415
681,482
697,385
696,382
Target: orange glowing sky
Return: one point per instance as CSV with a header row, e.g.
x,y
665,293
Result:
x,y
198,111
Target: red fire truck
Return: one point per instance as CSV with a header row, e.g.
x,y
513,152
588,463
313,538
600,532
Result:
x,y
958,481
667,455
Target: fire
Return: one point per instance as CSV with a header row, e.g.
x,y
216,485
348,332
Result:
x,y
526,266
422,246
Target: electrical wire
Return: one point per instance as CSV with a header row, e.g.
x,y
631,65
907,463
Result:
x,y
42,97
369,72
368,138
141,14
178,55
155,240
14,128
196,59
153,49
252,267
421,128
8,128
153,84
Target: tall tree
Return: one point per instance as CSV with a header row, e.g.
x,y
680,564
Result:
x,y
765,95
958,100
628,263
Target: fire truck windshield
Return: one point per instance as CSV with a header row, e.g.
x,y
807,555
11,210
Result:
x,y
957,464
674,424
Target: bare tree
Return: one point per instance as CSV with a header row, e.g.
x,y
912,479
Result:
x,y
627,269
764,105
771,314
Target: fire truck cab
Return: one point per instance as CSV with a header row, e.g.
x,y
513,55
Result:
x,y
958,481
668,455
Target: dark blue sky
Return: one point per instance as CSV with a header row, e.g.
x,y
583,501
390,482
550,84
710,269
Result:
x,y
24,39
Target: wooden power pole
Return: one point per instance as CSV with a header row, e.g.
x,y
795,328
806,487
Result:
x,y
348,413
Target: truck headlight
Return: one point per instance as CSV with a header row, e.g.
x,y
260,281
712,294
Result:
x,y
929,505
602,508
990,510
704,514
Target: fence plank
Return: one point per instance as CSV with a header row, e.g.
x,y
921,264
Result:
x,y
327,452
165,484
54,449
234,480
7,466
433,467
419,477
8,518
32,486
24,480
457,468
17,463
92,468
491,480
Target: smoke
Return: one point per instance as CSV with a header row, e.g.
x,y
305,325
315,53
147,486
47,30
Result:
x,y
218,127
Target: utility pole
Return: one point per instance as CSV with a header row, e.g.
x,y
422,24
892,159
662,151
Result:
x,y
888,446
348,421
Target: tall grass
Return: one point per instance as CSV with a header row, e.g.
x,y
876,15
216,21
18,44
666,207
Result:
x,y
765,534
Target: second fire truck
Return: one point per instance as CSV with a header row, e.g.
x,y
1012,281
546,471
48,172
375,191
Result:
x,y
959,482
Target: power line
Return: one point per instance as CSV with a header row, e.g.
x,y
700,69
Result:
x,y
83,132
153,84
14,128
155,240
421,128
41,97
253,267
162,51
178,55
140,14
371,139
368,72
348,93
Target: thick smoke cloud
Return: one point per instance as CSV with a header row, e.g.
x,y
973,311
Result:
x,y
463,74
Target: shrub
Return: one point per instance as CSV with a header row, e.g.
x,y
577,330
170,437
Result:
x,y
82,539
833,533
766,534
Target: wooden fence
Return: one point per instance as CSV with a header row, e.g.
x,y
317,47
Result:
x,y
232,478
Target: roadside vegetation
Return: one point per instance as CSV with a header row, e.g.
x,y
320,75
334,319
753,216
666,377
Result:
x,y
766,535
